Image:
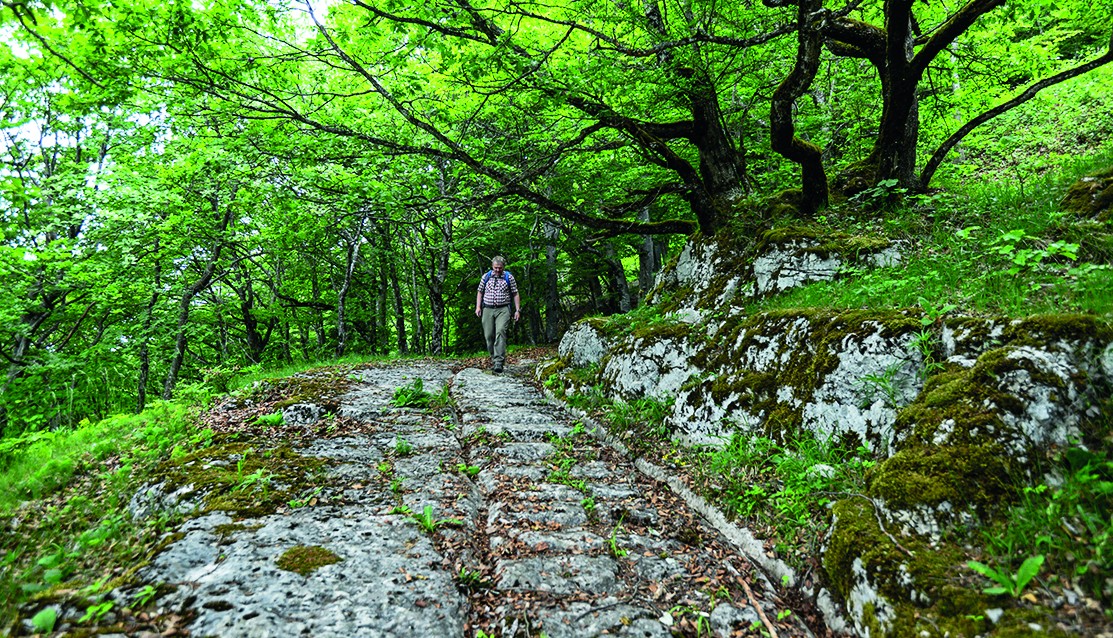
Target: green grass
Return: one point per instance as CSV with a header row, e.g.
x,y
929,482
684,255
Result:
x,y
243,377
783,488
67,494
36,464
987,247
1070,522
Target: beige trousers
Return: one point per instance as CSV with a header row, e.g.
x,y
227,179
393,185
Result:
x,y
495,323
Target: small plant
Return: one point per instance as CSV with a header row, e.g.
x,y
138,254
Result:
x,y
700,619
925,344
95,612
588,504
412,396
308,499
402,447
932,313
1009,245
144,595
1009,584
258,478
429,524
612,543
272,420
471,580
883,382
396,484
44,620
468,470
384,467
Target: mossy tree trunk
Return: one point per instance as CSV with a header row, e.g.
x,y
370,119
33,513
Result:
x,y
799,80
901,57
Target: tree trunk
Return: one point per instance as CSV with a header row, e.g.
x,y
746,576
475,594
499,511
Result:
x,y
415,299
181,341
619,289
144,344
648,262
552,290
782,130
399,309
351,258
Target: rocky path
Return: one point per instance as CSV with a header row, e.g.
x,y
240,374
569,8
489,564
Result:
x,y
505,518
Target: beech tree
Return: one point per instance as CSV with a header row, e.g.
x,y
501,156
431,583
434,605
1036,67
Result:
x,y
901,41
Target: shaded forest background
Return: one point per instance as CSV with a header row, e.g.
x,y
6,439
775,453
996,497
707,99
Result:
x,y
191,189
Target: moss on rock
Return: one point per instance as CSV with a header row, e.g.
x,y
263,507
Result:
x,y
1092,195
244,480
964,476
916,589
305,560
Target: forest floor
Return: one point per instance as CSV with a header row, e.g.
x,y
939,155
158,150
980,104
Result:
x,y
438,499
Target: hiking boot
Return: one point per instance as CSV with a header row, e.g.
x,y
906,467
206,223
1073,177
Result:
x,y
497,368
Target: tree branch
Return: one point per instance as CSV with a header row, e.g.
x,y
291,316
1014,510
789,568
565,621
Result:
x,y
955,26
944,148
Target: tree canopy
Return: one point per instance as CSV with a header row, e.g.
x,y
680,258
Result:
x,y
188,188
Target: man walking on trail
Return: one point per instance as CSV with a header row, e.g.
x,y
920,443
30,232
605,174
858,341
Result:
x,y
497,290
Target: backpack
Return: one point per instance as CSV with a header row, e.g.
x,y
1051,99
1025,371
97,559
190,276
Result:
x,y
490,273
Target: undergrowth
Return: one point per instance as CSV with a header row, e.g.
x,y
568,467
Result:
x,y
1001,247
64,498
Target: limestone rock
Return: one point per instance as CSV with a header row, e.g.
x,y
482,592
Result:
x,y
302,414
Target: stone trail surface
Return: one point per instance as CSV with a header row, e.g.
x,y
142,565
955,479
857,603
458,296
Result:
x,y
531,527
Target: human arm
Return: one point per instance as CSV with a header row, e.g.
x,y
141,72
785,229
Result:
x,y
517,306
479,304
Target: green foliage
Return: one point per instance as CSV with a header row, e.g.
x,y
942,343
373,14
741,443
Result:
x,y
468,470
38,463
402,447
412,395
43,621
786,487
616,550
428,523
145,595
1002,248
272,420
643,419
469,580
95,612
1009,584
1070,522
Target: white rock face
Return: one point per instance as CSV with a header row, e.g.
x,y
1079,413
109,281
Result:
x,y
864,597
654,369
583,345
875,377
790,265
1037,390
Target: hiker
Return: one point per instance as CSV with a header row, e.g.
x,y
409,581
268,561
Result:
x,y
497,290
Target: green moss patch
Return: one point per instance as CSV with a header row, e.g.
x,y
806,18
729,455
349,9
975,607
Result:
x,y
1092,195
825,241
924,588
305,560
965,476
244,480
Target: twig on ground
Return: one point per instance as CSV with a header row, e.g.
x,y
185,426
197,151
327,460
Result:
x,y
753,601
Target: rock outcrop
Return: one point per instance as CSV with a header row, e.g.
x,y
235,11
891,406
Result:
x,y
962,411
